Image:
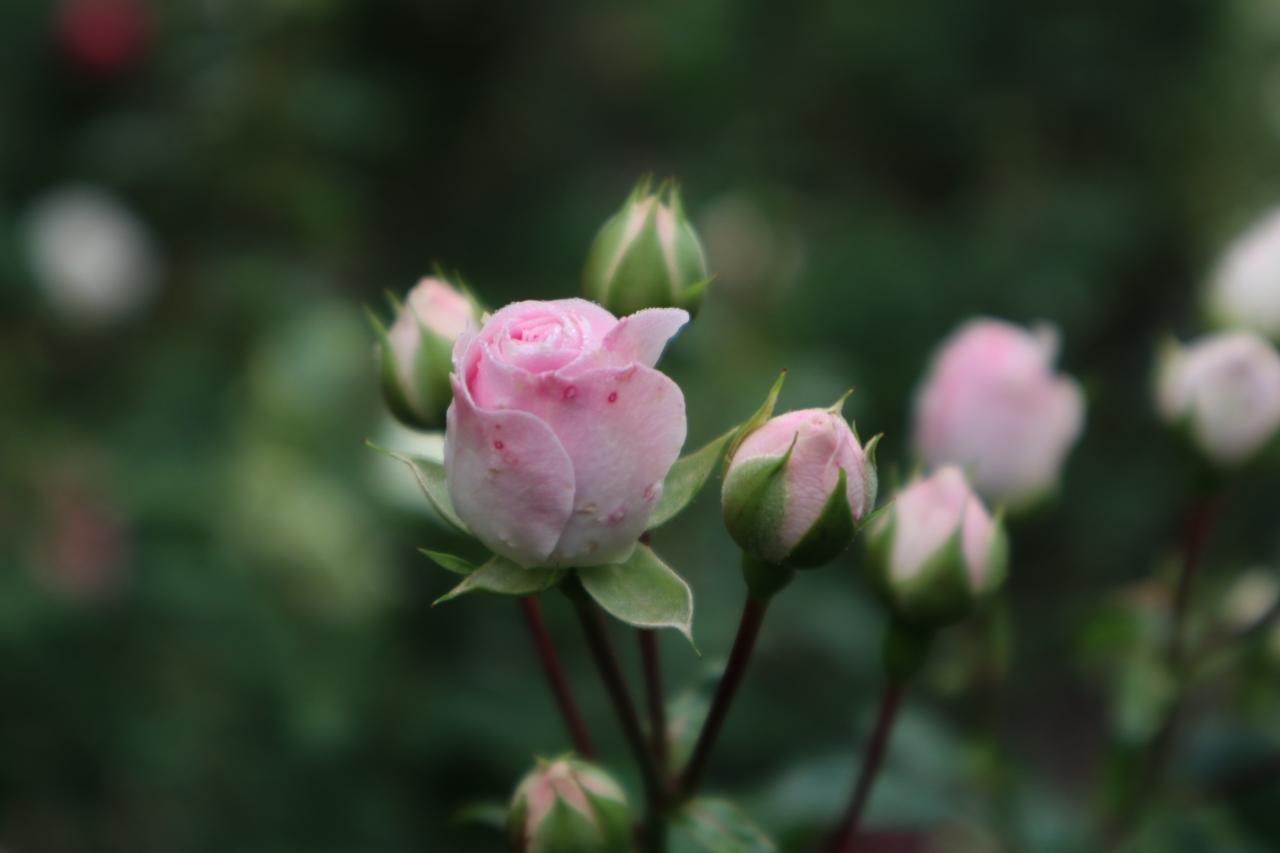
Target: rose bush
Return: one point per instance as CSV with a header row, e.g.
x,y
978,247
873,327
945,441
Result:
x,y
561,431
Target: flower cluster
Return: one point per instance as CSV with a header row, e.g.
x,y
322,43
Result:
x,y
562,453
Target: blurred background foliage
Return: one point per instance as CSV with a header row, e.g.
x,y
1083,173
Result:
x,y
214,624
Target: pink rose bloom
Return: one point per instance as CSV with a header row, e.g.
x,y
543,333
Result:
x,y
772,510
992,405
561,431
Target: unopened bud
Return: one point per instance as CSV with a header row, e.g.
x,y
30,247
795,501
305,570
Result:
x,y
416,352
569,806
936,551
797,488
647,255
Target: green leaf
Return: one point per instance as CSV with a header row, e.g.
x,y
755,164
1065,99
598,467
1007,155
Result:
x,y
489,813
718,826
686,479
449,563
757,419
643,591
432,481
503,577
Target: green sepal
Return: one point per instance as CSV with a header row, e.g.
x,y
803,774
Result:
x,y
717,825
393,391
764,579
871,479
449,562
500,576
431,479
906,648
832,531
642,591
640,279
432,365
691,298
757,419
997,568
686,478
754,501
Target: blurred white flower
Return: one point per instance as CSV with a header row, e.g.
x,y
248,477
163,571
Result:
x,y
94,259
1248,598
1226,388
1244,290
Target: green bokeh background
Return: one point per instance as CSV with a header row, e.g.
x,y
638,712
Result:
x,y
252,663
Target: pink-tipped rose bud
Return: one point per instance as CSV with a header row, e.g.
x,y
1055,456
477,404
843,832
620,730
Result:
x,y
1225,388
561,431
936,550
416,351
1244,291
992,405
797,487
569,806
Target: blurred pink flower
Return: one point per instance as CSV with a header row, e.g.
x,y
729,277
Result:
x,y
992,405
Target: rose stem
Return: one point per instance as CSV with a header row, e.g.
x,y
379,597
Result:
x,y
1199,524
653,685
560,689
616,686
743,644
1195,535
846,835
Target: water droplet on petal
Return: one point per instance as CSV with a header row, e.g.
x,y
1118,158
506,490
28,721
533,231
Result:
x,y
613,396
498,445
570,392
615,517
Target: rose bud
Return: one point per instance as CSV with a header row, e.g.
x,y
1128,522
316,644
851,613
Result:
x,y
1244,291
797,487
561,431
416,350
992,404
936,550
1225,388
566,806
647,256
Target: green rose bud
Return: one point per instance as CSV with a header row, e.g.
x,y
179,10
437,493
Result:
x,y
936,551
796,489
416,352
569,806
647,256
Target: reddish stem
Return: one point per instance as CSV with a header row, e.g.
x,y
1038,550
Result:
x,y
846,836
743,644
560,689
653,687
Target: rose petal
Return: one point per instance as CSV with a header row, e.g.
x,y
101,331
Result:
x,y
642,336
623,430
510,479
